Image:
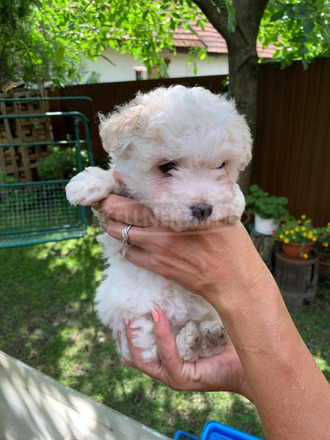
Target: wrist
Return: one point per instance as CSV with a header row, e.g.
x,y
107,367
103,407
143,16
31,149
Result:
x,y
234,271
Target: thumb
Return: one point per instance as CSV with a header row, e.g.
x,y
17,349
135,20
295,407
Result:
x,y
166,345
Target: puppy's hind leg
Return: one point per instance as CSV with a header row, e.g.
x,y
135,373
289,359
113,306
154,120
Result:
x,y
188,342
214,338
203,339
90,186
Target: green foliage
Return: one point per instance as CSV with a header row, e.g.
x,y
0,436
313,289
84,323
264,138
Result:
x,y
62,163
299,29
56,36
323,238
4,178
47,40
266,206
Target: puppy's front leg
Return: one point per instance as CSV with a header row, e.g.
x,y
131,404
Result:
x,y
90,186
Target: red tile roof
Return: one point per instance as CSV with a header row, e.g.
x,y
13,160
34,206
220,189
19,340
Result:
x,y
209,38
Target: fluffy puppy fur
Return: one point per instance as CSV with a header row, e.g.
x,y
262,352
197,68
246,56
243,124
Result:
x,y
179,152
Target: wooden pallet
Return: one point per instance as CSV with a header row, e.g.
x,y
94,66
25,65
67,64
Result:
x,y
21,161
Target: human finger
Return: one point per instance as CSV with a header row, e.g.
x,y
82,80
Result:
x,y
152,369
115,229
125,210
169,369
139,236
166,344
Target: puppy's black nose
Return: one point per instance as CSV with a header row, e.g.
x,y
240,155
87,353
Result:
x,y
201,211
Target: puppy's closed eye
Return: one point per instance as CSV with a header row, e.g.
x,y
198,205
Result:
x,y
222,166
167,167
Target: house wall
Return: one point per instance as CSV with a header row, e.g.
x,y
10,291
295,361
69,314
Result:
x,y
123,68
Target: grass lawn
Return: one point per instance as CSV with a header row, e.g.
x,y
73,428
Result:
x,y
47,321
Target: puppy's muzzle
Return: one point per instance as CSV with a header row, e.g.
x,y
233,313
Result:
x,y
201,211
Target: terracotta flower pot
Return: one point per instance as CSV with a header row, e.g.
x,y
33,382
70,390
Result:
x,y
295,250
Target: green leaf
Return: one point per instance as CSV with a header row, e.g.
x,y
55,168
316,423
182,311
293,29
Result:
x,y
304,63
304,49
9,59
231,26
277,16
59,54
302,11
308,26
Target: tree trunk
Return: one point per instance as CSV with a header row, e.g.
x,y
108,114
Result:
x,y
243,87
242,54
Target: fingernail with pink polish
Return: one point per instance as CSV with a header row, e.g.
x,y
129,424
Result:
x,y
155,315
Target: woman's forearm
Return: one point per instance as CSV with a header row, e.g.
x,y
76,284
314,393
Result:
x,y
282,375
222,265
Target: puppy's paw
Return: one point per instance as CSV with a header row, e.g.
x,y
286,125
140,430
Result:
x,y
213,337
90,186
188,341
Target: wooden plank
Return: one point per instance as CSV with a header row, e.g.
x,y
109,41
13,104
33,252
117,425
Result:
x,y
35,406
291,151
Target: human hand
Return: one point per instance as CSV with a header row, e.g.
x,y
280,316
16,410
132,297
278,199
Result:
x,y
221,372
199,260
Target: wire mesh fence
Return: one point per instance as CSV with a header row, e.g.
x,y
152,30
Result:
x,y
29,211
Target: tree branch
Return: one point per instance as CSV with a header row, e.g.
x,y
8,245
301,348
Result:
x,y
217,18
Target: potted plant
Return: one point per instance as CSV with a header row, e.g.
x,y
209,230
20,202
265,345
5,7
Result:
x,y
61,163
323,239
267,210
297,236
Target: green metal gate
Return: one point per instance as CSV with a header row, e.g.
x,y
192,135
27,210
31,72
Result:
x,y
38,212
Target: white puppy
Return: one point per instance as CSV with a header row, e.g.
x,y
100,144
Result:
x,y
179,152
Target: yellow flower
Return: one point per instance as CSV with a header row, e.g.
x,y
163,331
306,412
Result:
x,y
303,216
286,240
281,236
296,229
328,225
303,228
310,234
325,244
305,234
286,232
292,231
314,238
305,255
293,237
299,222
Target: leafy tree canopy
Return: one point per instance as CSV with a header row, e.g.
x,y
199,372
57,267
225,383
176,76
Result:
x,y
299,29
46,40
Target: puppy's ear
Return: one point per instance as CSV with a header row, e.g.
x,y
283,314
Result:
x,y
118,129
247,147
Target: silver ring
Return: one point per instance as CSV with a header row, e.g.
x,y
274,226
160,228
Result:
x,y
124,234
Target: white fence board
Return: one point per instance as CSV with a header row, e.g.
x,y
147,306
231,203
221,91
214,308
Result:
x,y
34,406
